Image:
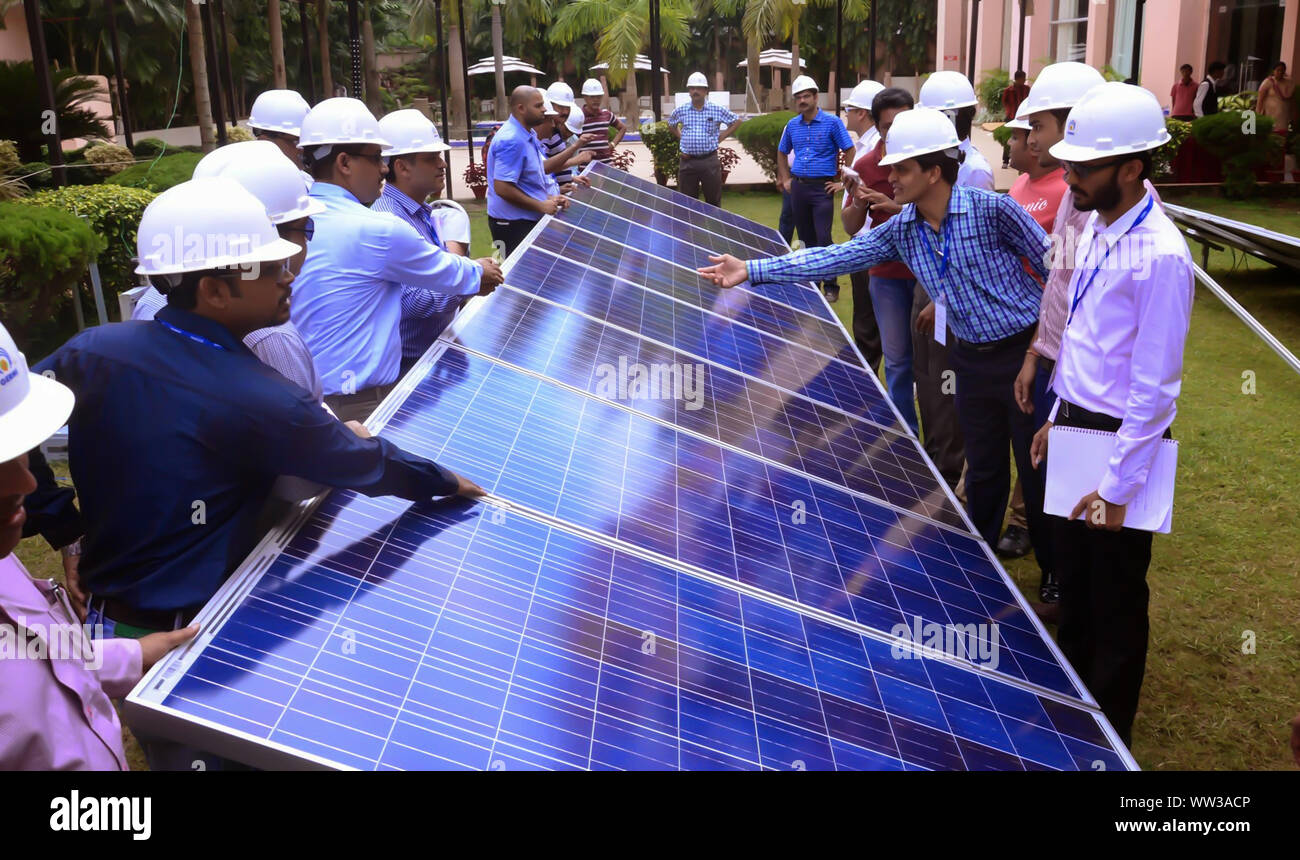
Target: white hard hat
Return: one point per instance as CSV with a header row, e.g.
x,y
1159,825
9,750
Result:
x,y
803,82
215,161
1112,119
917,132
548,109
339,120
1019,125
592,87
697,79
32,406
410,131
207,223
269,176
1059,85
575,121
560,94
947,90
279,110
863,94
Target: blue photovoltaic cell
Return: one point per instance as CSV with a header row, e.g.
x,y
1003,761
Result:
x,y
711,400
697,212
661,276
633,205
390,636
796,368
591,464
715,242
634,236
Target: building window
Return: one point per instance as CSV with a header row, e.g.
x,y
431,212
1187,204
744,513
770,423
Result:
x,y
1069,30
1121,55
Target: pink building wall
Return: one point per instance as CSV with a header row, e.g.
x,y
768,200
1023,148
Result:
x,y
14,44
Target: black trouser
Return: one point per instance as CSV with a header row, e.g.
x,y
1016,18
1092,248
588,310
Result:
x,y
702,170
510,233
936,405
990,421
786,225
813,207
1104,596
866,333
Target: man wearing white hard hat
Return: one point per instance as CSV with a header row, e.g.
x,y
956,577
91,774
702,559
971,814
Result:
x,y
56,710
179,431
270,177
349,296
968,246
416,168
560,146
520,192
819,142
276,116
857,118
1119,373
597,121
699,127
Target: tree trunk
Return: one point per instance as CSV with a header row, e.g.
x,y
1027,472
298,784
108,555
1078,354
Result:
x,y
370,64
456,89
279,78
632,108
795,71
497,52
717,55
323,35
754,83
199,69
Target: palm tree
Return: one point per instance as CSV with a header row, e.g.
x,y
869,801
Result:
x,y
424,26
369,63
763,17
199,68
323,34
497,52
279,77
22,101
623,31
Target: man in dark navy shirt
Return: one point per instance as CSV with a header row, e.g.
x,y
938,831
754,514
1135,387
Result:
x,y
179,430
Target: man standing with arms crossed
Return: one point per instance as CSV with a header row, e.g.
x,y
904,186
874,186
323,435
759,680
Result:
x,y
699,127
819,141
519,190
1120,371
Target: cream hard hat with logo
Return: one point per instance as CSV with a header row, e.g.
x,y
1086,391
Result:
x,y
560,94
575,122
801,83
592,87
215,161
1112,119
32,406
409,131
278,110
338,120
268,175
1057,86
863,94
947,90
697,79
918,132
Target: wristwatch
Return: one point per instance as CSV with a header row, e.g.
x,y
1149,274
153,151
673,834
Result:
x,y
71,549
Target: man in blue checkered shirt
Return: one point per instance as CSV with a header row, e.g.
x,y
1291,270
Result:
x,y
970,248
700,126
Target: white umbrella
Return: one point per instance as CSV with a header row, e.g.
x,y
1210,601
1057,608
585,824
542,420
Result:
x,y
487,66
776,58
642,65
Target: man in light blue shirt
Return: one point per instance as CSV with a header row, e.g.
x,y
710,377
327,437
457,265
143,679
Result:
x,y
519,190
348,296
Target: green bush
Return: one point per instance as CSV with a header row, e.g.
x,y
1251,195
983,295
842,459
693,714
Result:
x,y
664,149
82,172
43,254
1241,148
9,160
1162,159
1238,102
114,214
37,175
760,137
160,174
109,158
990,90
1002,134
238,134
150,147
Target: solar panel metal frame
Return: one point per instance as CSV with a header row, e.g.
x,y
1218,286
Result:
x,y
144,707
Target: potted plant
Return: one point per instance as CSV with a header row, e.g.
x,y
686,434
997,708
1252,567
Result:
x,y
476,178
622,159
728,159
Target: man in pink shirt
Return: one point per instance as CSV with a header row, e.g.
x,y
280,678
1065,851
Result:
x,y
56,680
1183,95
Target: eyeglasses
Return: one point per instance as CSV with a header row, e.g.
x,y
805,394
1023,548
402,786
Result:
x,y
375,158
1084,169
307,230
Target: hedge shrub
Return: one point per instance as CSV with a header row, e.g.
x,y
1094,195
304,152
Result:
x,y
43,254
664,148
760,137
150,147
114,213
990,90
159,174
9,160
1241,148
1162,159
109,158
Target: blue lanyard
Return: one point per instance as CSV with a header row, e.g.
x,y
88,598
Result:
x,y
197,338
925,240
1078,294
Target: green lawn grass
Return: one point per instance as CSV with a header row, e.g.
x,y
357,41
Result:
x,y
1231,567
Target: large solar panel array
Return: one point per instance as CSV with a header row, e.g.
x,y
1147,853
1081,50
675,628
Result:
x,y
710,543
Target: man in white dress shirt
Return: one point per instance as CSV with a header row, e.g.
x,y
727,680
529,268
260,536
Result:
x,y
1119,370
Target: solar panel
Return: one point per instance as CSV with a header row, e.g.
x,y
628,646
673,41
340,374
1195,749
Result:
x,y
737,567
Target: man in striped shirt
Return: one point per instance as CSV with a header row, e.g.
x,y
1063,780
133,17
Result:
x,y
597,121
561,148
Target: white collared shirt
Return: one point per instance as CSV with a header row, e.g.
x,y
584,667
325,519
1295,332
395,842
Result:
x,y
1122,353
974,171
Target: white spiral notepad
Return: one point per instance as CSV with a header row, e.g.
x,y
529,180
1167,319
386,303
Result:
x,y
1076,463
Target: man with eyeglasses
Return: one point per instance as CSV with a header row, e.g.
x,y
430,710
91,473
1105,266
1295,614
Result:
x,y
349,297
276,117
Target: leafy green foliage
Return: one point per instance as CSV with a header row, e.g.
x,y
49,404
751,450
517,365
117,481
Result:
x,y
1238,102
149,147
21,108
238,134
43,253
109,158
1002,134
760,137
913,25
664,149
990,88
1241,147
161,174
9,160
114,214
36,174
1162,159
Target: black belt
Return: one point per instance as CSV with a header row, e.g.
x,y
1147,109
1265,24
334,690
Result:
x,y
705,155
814,180
1073,415
148,619
1020,338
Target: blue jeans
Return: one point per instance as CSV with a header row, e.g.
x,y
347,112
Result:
x,y
891,298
